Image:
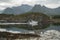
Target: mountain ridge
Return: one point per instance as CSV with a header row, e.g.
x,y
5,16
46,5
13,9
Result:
x,y
27,8
17,10
45,10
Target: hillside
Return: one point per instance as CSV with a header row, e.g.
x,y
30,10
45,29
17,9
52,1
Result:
x,y
17,10
45,10
40,17
27,8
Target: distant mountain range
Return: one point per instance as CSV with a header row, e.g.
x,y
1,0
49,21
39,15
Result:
x,y
37,8
17,10
45,10
1,11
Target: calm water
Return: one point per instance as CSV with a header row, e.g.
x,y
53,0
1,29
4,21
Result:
x,y
50,27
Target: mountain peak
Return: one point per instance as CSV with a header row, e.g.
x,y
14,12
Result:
x,y
45,10
18,10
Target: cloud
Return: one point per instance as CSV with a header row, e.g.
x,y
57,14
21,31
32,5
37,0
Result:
x,y
4,0
11,3
52,3
47,3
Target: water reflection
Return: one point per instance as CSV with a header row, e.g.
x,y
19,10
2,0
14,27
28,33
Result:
x,y
25,37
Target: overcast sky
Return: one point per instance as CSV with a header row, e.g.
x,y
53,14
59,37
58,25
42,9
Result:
x,y
10,3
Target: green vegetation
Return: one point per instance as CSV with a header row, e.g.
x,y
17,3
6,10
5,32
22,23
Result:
x,y
56,17
6,16
56,24
40,17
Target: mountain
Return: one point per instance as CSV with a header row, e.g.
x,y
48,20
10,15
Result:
x,y
1,11
18,10
45,10
57,10
37,8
